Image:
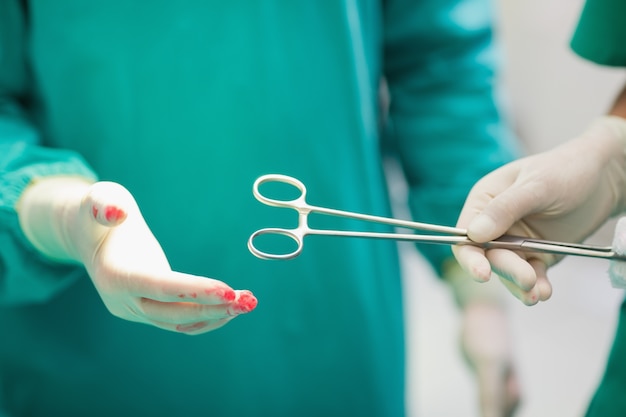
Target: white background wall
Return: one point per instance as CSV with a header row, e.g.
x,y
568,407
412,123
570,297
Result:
x,y
561,345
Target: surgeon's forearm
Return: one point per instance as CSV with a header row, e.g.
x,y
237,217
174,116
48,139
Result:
x,y
619,107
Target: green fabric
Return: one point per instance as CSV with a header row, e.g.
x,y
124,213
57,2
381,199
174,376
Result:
x,y
609,400
186,104
601,32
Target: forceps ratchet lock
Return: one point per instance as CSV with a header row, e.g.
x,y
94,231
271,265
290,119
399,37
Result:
x,y
446,235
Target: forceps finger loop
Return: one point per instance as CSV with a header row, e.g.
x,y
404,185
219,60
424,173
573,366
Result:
x,y
297,235
298,203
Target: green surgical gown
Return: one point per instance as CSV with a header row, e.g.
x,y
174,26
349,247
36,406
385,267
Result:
x,y
601,37
186,103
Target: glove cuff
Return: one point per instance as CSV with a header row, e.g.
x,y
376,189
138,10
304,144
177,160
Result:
x,y
45,208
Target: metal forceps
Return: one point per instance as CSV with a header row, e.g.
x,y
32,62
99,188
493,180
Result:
x,y
447,235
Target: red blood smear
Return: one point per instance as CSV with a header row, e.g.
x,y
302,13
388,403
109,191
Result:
x,y
113,214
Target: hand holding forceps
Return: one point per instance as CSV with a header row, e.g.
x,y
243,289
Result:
x,y
447,235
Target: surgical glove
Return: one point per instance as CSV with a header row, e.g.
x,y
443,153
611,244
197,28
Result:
x,y
100,226
485,341
563,194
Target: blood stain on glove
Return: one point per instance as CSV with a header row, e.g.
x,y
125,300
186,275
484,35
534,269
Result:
x,y
191,295
191,327
246,302
114,214
111,214
225,294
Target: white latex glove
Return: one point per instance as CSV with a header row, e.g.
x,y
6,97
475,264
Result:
x,y
563,194
485,341
100,226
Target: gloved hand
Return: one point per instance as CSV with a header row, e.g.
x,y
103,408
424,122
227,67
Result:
x,y
100,226
563,194
485,341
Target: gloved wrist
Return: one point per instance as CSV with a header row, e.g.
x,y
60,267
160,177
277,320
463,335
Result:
x,y
45,209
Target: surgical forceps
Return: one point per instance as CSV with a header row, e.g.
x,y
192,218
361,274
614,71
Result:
x,y
447,235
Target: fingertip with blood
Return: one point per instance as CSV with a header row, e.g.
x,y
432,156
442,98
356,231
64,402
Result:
x,y
245,303
543,285
544,289
109,202
530,298
114,215
481,271
473,262
108,215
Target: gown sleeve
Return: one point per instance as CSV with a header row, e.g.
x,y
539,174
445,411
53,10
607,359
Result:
x,y
25,275
600,35
443,117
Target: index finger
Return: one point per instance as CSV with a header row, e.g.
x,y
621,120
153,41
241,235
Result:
x,y
170,286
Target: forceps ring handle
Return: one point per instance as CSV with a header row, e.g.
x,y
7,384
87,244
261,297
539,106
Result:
x,y
297,203
296,235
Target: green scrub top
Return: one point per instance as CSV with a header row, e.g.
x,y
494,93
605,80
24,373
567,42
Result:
x,y
601,32
601,37
186,103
